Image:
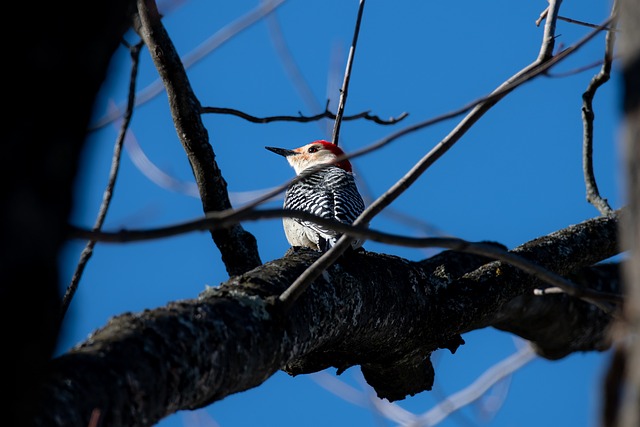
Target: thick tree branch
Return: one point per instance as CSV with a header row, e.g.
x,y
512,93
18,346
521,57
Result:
x,y
238,247
382,312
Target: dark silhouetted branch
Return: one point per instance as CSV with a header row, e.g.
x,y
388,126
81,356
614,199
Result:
x,y
108,192
238,247
303,119
381,312
344,92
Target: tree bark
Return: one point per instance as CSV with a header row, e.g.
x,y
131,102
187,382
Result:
x,y
382,312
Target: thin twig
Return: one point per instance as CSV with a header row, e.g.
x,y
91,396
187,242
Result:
x,y
593,194
577,70
87,252
586,24
570,20
543,15
347,76
301,118
288,297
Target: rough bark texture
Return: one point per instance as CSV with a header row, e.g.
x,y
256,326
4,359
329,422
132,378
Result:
x,y
382,312
53,71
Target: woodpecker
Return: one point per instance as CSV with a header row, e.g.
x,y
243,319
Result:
x,y
330,192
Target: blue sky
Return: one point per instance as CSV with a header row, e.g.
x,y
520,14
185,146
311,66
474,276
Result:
x,y
516,175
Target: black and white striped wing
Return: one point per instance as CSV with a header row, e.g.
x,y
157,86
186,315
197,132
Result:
x,y
329,193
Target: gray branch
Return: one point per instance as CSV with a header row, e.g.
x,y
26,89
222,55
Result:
x,y
381,312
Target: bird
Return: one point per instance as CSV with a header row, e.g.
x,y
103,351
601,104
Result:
x,y
330,192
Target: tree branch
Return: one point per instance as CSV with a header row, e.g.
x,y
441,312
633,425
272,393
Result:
x,y
382,312
593,195
585,24
347,76
366,115
87,252
238,247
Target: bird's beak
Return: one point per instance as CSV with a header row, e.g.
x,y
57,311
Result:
x,y
282,151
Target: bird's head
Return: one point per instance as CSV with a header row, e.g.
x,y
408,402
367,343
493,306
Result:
x,y
315,153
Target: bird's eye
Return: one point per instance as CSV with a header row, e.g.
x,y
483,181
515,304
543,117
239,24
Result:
x,y
313,149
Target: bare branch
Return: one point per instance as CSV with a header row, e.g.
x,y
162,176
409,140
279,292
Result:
x,y
347,76
238,247
593,195
113,174
366,115
587,24
548,37
542,16
577,70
